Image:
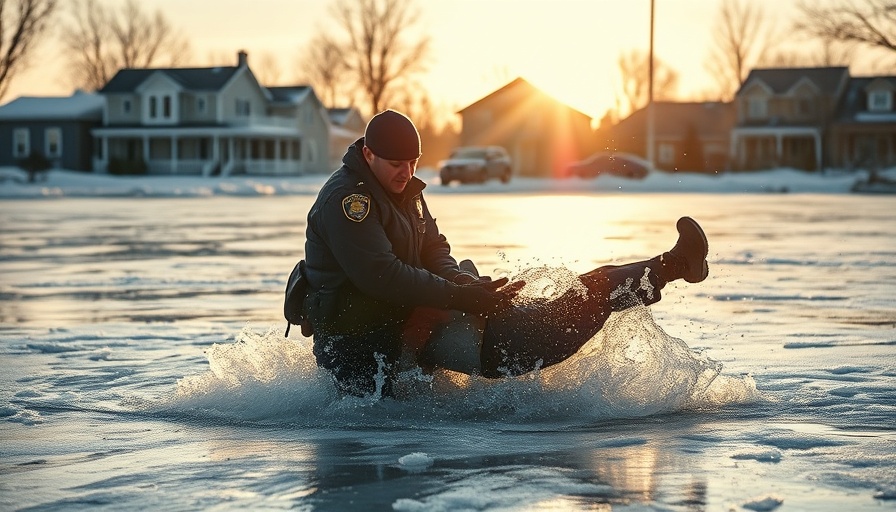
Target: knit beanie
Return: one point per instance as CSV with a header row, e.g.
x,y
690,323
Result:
x,y
392,136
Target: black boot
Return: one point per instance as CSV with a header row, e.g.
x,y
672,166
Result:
x,y
687,260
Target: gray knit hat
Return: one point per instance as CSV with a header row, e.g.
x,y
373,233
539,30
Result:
x,y
391,135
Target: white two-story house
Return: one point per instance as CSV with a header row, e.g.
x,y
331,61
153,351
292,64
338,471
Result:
x,y
209,121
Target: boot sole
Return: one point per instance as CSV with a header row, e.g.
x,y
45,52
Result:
x,y
688,227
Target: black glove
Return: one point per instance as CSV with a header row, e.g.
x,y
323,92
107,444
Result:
x,y
484,296
464,278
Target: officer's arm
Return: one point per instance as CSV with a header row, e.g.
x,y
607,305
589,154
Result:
x,y
436,253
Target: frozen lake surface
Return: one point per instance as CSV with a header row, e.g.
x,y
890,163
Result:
x,y
145,365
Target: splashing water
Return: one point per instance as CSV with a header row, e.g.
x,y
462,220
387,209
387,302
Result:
x,y
631,368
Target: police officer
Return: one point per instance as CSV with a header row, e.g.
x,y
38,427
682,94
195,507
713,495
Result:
x,y
381,276
374,253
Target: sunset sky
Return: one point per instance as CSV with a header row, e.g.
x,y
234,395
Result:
x,y
568,48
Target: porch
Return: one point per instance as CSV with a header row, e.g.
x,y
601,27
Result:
x,y
210,152
763,148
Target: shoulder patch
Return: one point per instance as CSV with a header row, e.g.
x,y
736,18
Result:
x,y
356,207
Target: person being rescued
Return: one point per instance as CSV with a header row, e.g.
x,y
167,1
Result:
x,y
381,280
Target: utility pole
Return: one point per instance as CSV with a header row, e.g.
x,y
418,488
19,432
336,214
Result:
x,y
650,113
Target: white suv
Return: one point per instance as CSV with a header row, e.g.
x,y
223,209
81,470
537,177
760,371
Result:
x,y
476,164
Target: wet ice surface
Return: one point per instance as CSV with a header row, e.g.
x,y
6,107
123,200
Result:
x,y
145,364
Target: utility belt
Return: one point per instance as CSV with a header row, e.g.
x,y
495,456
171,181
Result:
x,y
346,310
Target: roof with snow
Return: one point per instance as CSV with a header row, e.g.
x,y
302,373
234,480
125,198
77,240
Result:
x,y
854,103
79,106
338,115
526,87
289,93
781,80
192,79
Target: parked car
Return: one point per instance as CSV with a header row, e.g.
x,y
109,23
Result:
x,y
608,162
476,164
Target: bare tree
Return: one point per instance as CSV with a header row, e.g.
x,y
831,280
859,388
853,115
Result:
x,y
381,55
634,69
22,24
741,34
822,53
324,68
868,23
101,40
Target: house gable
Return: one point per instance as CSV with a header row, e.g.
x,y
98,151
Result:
x,y
241,98
754,99
541,134
160,99
349,118
879,93
803,87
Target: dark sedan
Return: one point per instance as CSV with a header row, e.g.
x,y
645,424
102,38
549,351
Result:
x,y
617,164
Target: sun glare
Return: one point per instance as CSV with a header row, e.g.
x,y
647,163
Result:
x,y
578,232
568,49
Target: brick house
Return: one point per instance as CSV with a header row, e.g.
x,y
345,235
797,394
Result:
x,y
688,136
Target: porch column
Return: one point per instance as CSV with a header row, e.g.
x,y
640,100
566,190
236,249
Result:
x,y
734,156
173,154
779,148
818,166
278,165
104,142
146,140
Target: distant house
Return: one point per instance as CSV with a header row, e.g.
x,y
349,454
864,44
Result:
x,y
864,131
687,136
303,108
541,134
347,126
783,116
56,127
209,121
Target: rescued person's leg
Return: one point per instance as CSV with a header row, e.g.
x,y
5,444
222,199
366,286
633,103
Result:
x,y
545,333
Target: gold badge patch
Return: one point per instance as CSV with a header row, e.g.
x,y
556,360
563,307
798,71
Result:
x,y
356,207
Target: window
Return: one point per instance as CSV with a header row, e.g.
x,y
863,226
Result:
x,y
666,153
757,108
243,108
880,101
153,107
126,106
21,143
166,107
200,105
53,141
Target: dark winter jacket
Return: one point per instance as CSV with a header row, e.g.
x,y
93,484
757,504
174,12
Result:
x,y
372,256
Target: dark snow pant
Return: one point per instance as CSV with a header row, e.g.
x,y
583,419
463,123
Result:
x,y
356,361
357,339
545,333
